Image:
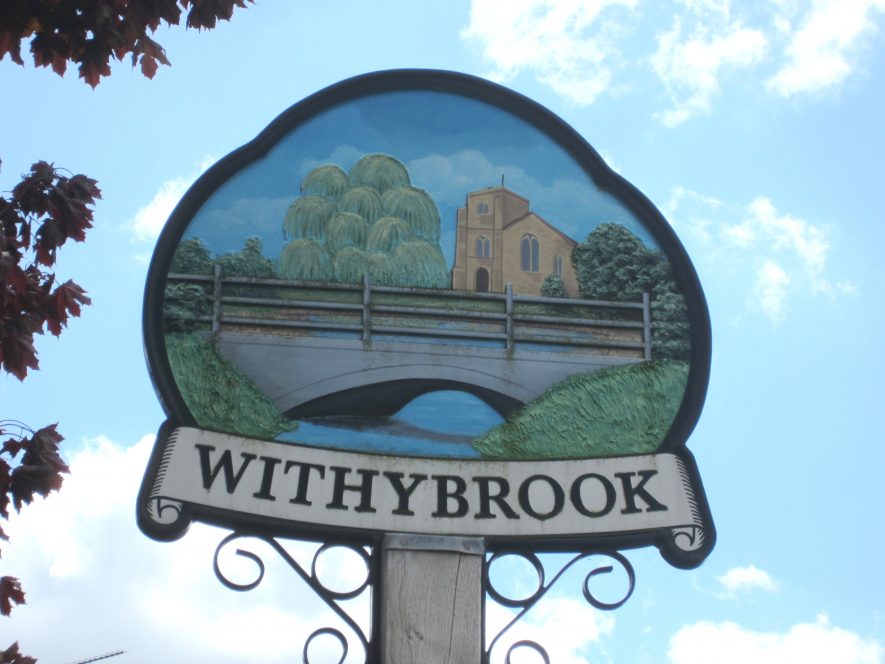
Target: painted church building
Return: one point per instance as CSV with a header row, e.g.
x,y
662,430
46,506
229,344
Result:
x,y
499,240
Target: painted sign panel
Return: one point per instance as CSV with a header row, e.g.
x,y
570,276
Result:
x,y
419,302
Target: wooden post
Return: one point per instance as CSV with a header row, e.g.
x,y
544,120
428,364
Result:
x,y
216,300
431,599
508,307
367,307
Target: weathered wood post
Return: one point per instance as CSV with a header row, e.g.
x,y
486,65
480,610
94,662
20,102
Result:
x,y
367,307
431,599
216,300
508,307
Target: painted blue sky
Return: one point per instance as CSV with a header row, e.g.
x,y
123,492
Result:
x,y
450,145
755,128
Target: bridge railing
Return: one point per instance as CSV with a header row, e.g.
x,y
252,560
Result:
x,y
374,312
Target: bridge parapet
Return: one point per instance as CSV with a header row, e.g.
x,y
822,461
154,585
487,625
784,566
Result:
x,y
377,313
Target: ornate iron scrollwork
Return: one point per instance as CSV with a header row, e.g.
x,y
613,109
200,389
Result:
x,y
330,596
524,604
333,598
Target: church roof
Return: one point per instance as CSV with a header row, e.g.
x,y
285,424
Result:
x,y
543,221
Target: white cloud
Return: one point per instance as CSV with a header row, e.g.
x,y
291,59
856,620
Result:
x,y
744,579
569,45
581,50
564,627
690,67
770,291
783,233
93,578
784,256
149,220
809,643
818,52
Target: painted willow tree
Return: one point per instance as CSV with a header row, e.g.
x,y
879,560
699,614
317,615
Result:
x,y
370,220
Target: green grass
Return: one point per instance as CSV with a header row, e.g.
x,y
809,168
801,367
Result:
x,y
217,394
617,411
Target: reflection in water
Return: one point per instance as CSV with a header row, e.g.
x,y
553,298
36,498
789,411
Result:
x,y
438,424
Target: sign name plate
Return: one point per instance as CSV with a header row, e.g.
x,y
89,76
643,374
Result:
x,y
205,470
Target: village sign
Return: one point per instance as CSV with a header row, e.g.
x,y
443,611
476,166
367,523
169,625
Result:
x,y
421,303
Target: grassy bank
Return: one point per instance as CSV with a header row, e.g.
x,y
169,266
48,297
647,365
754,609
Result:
x,y
217,394
622,410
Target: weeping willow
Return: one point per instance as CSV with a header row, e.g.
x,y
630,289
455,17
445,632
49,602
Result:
x,y
417,208
305,260
363,201
387,233
379,172
329,181
350,264
307,218
346,229
420,264
381,269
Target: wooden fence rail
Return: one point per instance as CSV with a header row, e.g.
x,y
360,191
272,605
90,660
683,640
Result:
x,y
370,310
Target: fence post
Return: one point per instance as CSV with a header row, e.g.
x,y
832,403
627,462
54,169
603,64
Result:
x,y
646,324
216,300
367,304
508,309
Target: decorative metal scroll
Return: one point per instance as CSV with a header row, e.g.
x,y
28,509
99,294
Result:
x,y
331,597
524,604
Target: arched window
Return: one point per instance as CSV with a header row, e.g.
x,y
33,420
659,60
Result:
x,y
530,249
483,247
482,208
557,265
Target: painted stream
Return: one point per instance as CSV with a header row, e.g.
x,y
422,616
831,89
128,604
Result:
x,y
438,424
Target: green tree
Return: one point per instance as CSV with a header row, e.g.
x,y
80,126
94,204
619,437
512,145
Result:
x,y
553,286
249,261
368,220
191,257
614,264
305,260
183,304
671,333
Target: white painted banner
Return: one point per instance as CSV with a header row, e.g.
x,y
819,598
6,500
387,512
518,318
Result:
x,y
376,493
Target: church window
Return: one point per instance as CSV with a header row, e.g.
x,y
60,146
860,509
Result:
x,y
530,250
483,247
557,265
482,208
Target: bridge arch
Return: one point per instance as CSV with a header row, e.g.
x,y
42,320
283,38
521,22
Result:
x,y
388,398
385,390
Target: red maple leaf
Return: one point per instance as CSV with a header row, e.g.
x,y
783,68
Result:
x,y
10,593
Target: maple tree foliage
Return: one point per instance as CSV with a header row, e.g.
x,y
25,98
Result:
x,y
91,33
48,208
43,212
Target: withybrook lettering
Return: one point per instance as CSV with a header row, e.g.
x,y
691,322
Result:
x,y
414,494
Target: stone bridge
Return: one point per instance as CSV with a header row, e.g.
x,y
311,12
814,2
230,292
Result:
x,y
313,376
323,349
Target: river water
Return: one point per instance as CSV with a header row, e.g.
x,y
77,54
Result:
x,y
438,424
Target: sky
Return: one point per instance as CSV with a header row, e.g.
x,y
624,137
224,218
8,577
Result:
x,y
754,127
450,146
